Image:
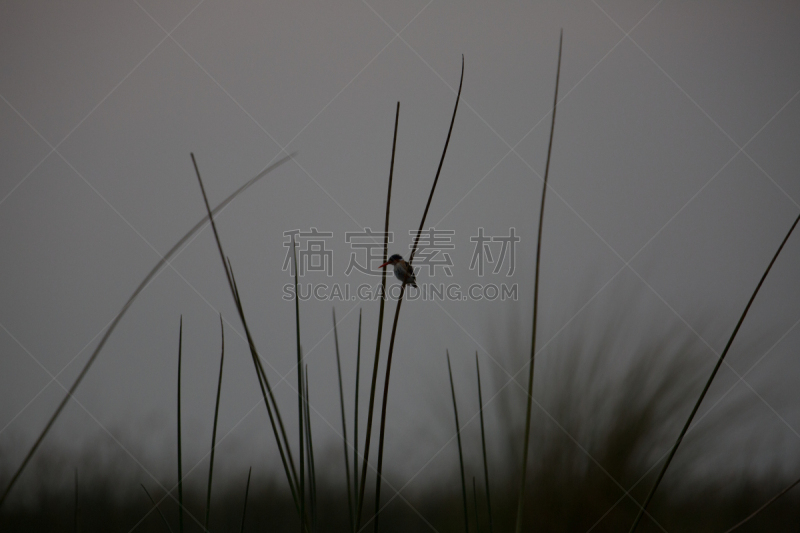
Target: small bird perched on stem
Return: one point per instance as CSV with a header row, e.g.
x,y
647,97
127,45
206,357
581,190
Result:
x,y
402,270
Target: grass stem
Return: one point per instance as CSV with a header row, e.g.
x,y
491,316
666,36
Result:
x,y
355,423
767,504
180,458
710,379
246,492
155,506
350,510
214,431
363,481
397,313
144,283
299,392
76,512
483,445
475,505
460,450
526,440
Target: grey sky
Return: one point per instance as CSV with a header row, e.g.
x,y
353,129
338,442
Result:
x,y
675,150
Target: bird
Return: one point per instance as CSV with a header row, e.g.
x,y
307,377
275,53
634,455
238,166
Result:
x,y
402,270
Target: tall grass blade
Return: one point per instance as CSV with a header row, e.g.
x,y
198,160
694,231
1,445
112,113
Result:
x,y
767,504
378,476
475,505
312,470
180,456
350,510
214,432
75,517
299,392
145,282
266,389
246,492
536,302
483,445
361,484
710,379
397,315
155,506
441,162
355,421
460,451
250,341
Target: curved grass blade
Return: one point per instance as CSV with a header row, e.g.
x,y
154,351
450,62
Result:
x,y
483,443
350,509
145,282
214,432
397,315
246,492
460,451
536,301
710,379
155,506
361,484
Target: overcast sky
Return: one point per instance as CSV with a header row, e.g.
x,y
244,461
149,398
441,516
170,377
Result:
x,y
673,180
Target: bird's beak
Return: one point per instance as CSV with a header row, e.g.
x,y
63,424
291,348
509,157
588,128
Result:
x,y
386,263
